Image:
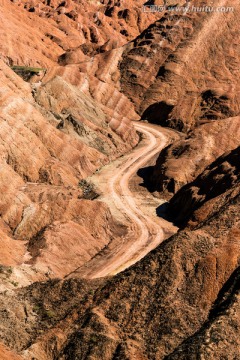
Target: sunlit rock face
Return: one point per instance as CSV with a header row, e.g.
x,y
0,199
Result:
x,y
74,76
58,126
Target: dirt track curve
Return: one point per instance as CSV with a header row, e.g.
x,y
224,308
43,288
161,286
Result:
x,y
132,205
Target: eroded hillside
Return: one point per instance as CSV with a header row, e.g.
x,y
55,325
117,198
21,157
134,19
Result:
x,y
53,135
76,77
150,310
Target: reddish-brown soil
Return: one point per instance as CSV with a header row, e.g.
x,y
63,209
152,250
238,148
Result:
x,y
46,151
6,354
92,264
203,198
184,160
184,68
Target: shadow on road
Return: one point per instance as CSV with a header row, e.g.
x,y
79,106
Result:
x,y
146,174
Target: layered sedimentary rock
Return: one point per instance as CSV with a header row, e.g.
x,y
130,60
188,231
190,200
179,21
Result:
x,y
184,277
53,134
179,70
203,198
183,69
90,34
114,318
21,45
186,158
46,151
195,89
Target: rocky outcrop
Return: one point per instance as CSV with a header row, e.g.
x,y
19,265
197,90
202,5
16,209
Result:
x,y
166,58
168,73
186,158
178,75
207,194
192,280
218,336
52,136
102,87
89,34
74,116
20,45
183,277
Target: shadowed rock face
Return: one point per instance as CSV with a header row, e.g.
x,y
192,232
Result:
x,y
179,301
223,323
201,199
182,69
167,298
186,158
195,90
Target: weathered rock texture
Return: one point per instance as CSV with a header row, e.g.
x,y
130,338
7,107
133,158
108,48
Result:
x,y
149,310
6,354
53,133
184,68
212,341
179,70
203,198
89,34
45,151
191,84
185,159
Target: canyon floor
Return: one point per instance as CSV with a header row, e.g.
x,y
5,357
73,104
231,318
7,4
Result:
x,y
132,204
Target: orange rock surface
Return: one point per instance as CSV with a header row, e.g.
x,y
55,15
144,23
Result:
x,y
54,132
74,76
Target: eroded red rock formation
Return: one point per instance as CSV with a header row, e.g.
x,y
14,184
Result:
x,y
102,65
184,160
53,134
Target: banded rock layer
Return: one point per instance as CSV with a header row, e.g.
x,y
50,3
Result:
x,y
53,134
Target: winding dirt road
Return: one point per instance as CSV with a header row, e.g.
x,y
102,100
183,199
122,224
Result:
x,y
130,204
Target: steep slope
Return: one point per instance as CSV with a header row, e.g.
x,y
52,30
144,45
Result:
x,y
73,117
46,153
90,34
22,46
114,318
167,58
203,198
52,135
185,159
191,60
218,337
164,70
168,51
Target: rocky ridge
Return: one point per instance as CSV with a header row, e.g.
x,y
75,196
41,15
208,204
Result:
x,y
203,198
182,300
53,134
184,277
183,161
